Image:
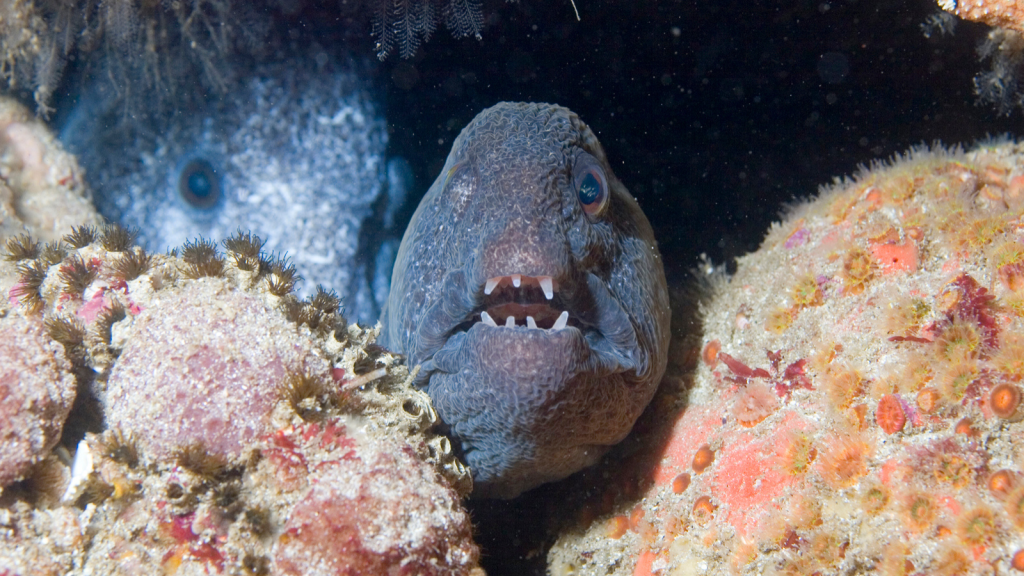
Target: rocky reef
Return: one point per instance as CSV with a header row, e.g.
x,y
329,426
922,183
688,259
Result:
x,y
219,424
856,402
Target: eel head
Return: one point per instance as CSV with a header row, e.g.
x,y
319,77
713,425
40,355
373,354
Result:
x,y
530,290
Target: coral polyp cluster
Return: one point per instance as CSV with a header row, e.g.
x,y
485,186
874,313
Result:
x,y
875,428
166,414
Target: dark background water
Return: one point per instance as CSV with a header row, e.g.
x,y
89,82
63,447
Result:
x,y
715,115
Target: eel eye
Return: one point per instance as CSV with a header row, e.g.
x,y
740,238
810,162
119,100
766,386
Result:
x,y
591,186
198,184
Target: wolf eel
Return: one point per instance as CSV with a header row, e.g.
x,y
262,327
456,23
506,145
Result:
x,y
529,288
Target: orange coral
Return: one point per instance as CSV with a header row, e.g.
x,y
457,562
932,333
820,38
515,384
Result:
x,y
919,511
1009,359
703,510
1018,561
710,353
928,400
754,403
806,292
977,526
778,320
954,381
797,452
703,458
618,526
1004,400
858,270
874,497
681,483
960,341
1001,482
844,461
952,469
842,386
890,415
1015,506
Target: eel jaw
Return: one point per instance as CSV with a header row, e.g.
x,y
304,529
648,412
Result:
x,y
521,300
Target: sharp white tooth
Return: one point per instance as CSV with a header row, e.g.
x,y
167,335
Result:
x,y
510,322
562,320
487,319
517,279
547,286
530,322
492,283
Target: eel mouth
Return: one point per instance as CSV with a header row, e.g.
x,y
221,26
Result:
x,y
520,300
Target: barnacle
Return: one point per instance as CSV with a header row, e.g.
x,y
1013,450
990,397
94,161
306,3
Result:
x,y
120,446
31,275
80,236
282,278
21,247
53,253
117,238
106,320
305,394
245,248
131,264
76,274
201,259
196,458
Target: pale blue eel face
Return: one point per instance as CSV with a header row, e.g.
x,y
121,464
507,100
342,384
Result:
x,y
530,289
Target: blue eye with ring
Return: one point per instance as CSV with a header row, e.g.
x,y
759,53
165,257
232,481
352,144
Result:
x,y
198,184
591,185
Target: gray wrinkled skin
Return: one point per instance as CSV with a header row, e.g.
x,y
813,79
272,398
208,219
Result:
x,y
529,405
298,148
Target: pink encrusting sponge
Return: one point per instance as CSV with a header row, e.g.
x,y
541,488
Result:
x,y
36,394
206,375
860,385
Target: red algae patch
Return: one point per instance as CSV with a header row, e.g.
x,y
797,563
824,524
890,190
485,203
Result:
x,y
865,415
207,376
373,510
36,393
